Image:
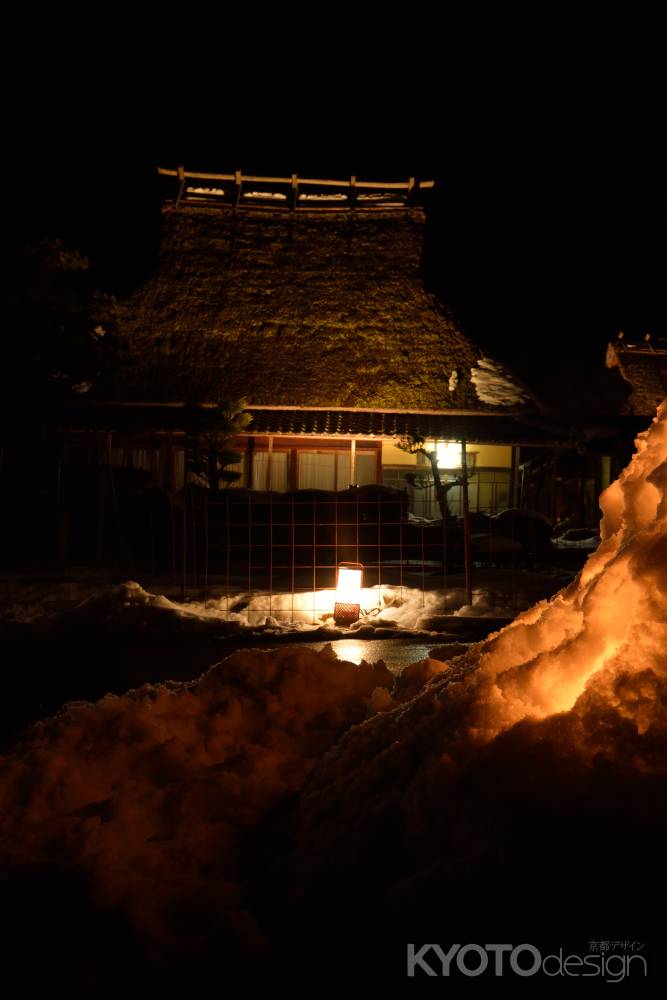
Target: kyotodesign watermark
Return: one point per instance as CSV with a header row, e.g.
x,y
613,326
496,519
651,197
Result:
x,y
613,963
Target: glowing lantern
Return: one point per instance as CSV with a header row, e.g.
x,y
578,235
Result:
x,y
348,593
449,454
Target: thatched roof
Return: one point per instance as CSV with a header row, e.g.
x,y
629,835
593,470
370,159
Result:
x,y
306,310
643,365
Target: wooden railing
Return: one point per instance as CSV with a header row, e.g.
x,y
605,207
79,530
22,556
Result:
x,y
647,345
249,191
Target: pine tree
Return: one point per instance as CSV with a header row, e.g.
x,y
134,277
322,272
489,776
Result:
x,y
210,450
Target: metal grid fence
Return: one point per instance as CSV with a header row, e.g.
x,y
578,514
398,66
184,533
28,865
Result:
x,y
276,544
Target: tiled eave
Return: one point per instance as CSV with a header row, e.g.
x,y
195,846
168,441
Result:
x,y
520,429
356,423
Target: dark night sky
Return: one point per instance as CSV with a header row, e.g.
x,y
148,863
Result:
x,y
547,227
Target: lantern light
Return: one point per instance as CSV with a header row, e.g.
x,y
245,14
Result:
x,y
348,593
449,454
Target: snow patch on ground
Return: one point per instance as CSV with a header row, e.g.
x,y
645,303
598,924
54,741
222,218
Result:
x,y
127,608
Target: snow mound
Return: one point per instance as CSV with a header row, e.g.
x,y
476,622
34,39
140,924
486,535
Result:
x,y
517,762
151,794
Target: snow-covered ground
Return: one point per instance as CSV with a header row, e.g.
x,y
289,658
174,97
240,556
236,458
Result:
x,y
384,609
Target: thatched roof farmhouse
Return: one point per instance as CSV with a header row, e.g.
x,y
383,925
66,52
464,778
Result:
x,y
305,297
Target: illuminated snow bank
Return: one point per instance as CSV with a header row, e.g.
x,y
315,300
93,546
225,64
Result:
x,y
612,618
561,715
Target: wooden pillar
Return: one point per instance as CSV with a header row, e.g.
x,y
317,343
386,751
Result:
x,y
169,466
181,185
249,463
513,476
522,487
466,524
269,459
293,469
353,462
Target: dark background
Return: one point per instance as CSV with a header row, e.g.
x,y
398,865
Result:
x,y
546,231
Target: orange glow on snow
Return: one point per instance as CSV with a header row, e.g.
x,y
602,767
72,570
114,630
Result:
x,y
611,619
